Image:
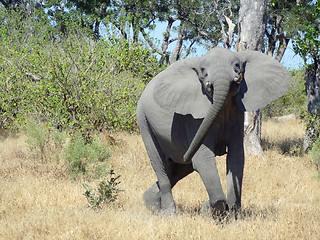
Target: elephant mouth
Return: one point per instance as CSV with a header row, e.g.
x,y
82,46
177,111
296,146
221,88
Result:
x,y
238,79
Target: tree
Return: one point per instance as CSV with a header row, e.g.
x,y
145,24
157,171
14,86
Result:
x,y
192,21
284,20
252,25
307,45
18,4
188,23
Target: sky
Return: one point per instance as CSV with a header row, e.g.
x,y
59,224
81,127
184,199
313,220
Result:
x,y
290,60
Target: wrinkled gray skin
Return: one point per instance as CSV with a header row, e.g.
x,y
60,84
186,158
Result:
x,y
194,111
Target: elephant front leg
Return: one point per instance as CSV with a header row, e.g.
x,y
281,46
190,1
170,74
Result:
x,y
158,198
205,164
235,166
153,197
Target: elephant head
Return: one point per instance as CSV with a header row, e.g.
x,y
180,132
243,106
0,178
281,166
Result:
x,y
201,86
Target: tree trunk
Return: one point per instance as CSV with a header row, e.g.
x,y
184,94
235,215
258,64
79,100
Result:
x,y
252,25
312,81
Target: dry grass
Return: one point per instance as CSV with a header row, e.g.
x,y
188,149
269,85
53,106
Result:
x,y
281,200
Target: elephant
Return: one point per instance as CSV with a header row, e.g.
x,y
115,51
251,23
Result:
x,y
193,111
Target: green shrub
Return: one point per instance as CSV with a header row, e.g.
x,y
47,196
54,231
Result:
x,y
106,192
86,158
132,57
72,82
37,138
59,138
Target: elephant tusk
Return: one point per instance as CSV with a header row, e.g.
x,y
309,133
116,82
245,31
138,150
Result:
x,y
238,79
208,85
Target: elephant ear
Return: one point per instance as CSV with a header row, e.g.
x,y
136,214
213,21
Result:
x,y
178,90
265,80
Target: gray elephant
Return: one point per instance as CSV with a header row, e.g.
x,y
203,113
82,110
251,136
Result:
x,y
194,111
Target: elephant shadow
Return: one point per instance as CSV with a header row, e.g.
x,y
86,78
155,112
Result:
x,y
249,213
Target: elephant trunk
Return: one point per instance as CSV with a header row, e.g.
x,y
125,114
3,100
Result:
x,y
221,89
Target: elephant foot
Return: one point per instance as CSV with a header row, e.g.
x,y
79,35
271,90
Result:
x,y
218,209
157,203
152,198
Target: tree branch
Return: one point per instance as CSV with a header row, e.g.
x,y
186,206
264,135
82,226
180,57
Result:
x,y
190,46
149,41
165,41
231,27
4,4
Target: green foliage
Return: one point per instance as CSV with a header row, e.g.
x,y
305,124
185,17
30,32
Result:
x,y
69,81
294,100
106,192
86,158
195,22
46,143
132,57
307,45
37,138
307,42
58,138
294,17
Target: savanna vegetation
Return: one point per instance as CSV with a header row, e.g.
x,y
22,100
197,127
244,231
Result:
x,y
73,165
39,200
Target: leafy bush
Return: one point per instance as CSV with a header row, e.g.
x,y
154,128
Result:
x,y
86,158
37,138
80,92
106,192
132,57
73,81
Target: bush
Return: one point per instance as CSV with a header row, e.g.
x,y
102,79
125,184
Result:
x,y
73,81
80,91
86,158
37,138
106,192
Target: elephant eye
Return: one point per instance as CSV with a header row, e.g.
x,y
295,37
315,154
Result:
x,y
237,67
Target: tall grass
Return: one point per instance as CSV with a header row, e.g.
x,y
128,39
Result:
x,y
281,199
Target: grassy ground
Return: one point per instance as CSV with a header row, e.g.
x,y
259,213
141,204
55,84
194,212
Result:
x,y
281,198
